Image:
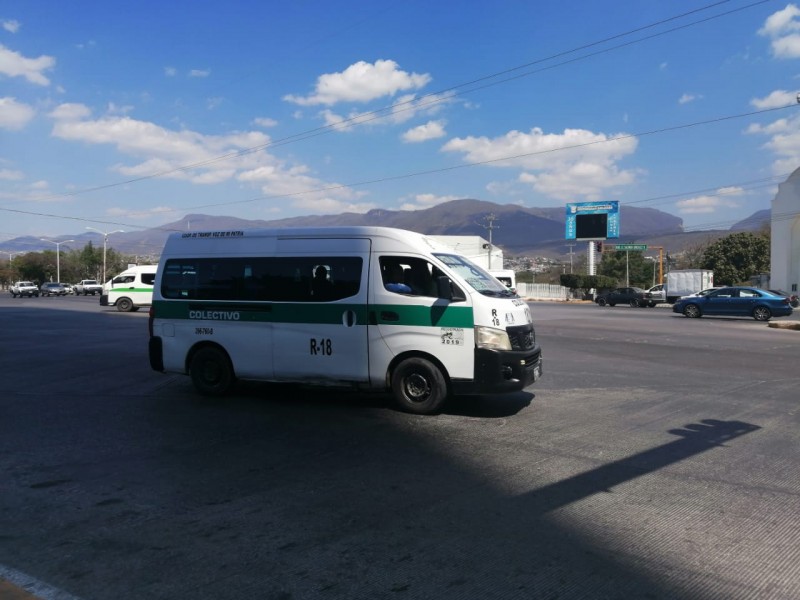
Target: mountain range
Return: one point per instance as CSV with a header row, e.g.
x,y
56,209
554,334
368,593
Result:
x,y
518,230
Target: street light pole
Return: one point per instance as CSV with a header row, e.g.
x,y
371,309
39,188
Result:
x,y
58,255
105,245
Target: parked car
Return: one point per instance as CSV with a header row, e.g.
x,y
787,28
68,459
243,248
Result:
x,y
794,300
68,288
762,305
24,288
53,289
632,296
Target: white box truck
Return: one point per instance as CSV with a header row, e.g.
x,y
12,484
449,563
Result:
x,y
686,282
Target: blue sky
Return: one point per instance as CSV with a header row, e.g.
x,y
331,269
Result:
x,y
126,115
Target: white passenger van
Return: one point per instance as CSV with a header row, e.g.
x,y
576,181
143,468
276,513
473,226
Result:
x,y
368,307
131,289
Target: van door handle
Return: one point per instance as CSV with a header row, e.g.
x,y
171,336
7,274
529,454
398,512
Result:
x,y
349,318
388,315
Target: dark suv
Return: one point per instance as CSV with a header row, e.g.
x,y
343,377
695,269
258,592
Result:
x,y
632,296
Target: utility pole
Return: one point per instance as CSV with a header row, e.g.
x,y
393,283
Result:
x,y
490,218
570,246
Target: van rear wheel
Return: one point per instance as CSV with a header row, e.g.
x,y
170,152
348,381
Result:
x,y
212,373
419,386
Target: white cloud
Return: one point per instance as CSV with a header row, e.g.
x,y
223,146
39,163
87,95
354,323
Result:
x,y
784,142
776,99
171,153
406,108
14,64
783,27
10,175
588,180
141,215
782,22
170,71
787,46
70,112
264,122
429,131
116,109
361,82
707,204
423,201
306,191
199,73
686,98
14,115
11,25
575,163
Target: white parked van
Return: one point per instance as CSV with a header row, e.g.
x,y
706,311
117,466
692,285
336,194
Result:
x,y
368,307
131,289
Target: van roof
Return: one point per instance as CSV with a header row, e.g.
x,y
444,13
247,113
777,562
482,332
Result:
x,y
353,231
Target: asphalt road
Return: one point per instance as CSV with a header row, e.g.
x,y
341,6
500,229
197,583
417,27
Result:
x,y
656,459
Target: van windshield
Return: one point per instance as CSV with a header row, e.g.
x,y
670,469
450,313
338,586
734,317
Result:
x,y
475,276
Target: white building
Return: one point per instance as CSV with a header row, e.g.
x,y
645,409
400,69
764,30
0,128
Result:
x,y
785,236
475,248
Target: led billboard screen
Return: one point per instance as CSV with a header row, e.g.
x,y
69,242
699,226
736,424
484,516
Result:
x,y
592,220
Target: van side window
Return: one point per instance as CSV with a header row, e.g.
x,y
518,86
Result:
x,y
148,278
408,275
272,279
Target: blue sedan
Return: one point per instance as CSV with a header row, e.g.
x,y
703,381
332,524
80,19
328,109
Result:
x,y
760,304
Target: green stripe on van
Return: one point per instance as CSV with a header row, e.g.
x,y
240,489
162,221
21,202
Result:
x,y
424,316
278,312
130,290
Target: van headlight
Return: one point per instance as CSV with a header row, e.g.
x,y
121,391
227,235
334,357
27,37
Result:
x,y
493,339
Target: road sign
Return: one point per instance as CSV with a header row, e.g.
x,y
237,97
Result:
x,y
631,247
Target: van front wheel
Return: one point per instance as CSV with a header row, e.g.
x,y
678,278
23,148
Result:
x,y
419,386
124,305
212,373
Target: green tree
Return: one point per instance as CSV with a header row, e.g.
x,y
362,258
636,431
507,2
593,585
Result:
x,y
90,262
639,270
116,262
692,255
737,256
33,266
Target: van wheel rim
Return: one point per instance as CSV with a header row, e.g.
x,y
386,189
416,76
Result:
x,y
417,387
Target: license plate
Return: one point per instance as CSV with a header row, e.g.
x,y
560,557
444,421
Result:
x,y
537,370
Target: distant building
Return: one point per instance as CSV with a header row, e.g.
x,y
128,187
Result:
x,y
474,248
785,236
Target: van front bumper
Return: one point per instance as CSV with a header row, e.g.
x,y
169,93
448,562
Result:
x,y
502,371
103,299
